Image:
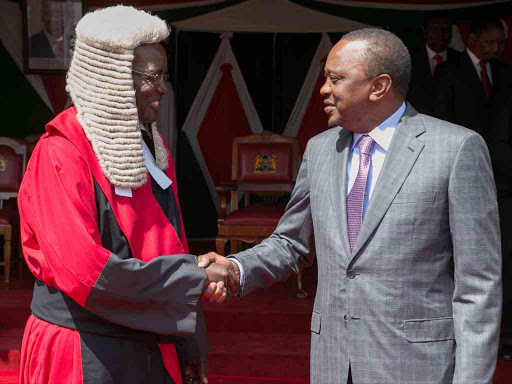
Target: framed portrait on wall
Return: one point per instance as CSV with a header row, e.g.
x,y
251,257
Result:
x,y
48,32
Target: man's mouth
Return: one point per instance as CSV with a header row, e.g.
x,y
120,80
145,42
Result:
x,y
329,108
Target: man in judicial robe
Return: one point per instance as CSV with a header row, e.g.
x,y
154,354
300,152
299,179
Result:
x,y
116,298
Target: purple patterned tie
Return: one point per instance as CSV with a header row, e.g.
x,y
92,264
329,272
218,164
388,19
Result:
x,y
355,198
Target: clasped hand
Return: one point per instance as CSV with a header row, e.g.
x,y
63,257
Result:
x,y
223,277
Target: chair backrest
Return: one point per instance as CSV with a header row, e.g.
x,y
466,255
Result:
x,y
267,159
13,156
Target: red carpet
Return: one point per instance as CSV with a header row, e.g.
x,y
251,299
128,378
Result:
x,y
263,338
244,345
8,376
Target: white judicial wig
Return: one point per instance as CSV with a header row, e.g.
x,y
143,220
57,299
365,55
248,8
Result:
x,y
100,83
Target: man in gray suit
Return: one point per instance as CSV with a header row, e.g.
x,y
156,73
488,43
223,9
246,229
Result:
x,y
401,210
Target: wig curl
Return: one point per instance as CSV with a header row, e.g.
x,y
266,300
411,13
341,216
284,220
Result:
x,y
100,83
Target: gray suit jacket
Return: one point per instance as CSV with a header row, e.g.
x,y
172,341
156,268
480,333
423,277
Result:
x,y
418,299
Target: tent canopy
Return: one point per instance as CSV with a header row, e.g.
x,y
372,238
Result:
x,y
408,5
269,16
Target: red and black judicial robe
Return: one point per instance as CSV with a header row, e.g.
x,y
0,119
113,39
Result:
x,y
116,293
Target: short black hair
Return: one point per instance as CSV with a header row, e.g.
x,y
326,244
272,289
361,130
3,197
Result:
x,y
429,16
385,53
482,24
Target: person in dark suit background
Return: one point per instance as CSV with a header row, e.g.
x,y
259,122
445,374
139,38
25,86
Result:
x,y
49,42
500,148
437,32
468,88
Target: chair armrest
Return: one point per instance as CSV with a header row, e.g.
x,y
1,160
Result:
x,y
265,187
224,192
225,188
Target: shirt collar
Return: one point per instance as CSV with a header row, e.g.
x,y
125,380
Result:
x,y
431,53
473,57
384,131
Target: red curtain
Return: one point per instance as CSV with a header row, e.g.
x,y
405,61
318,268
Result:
x,y
224,120
315,120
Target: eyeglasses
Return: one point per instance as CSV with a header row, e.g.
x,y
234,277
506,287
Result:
x,y
155,79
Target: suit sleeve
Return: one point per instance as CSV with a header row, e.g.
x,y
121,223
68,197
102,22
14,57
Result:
x,y
290,247
474,226
62,245
194,347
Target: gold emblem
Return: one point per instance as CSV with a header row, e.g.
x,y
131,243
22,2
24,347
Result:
x,y
3,164
265,164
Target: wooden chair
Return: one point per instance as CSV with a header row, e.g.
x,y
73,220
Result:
x,y
13,156
264,164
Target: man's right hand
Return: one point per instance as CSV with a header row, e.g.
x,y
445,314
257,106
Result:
x,y
232,281
214,289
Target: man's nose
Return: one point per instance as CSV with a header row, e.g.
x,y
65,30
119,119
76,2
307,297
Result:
x,y
162,88
325,89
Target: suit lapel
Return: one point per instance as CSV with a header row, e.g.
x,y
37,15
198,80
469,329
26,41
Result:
x,y
470,75
339,182
403,152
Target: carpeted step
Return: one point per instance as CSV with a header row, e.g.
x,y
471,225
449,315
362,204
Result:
x,y
259,355
264,323
14,317
15,307
217,379
11,377
503,374
10,344
275,309
268,314
8,376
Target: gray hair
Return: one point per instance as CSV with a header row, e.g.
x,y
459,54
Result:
x,y
384,53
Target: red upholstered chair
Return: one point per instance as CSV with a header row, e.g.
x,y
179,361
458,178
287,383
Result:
x,y
12,166
265,165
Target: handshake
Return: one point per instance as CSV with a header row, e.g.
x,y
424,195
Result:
x,y
223,277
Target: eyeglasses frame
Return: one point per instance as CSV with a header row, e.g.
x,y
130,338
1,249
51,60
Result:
x,y
152,78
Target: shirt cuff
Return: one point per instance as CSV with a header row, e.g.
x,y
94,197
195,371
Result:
x,y
242,274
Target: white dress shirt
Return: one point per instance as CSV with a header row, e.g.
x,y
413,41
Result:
x,y
382,136
431,54
476,63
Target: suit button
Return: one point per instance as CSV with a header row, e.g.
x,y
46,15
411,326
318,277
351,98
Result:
x,y
345,318
351,274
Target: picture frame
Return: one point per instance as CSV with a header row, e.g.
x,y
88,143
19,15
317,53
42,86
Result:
x,y
48,34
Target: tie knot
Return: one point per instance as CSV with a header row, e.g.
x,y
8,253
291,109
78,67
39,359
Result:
x,y
483,65
365,145
438,59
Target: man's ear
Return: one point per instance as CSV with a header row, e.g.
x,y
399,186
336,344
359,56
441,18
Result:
x,y
381,86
